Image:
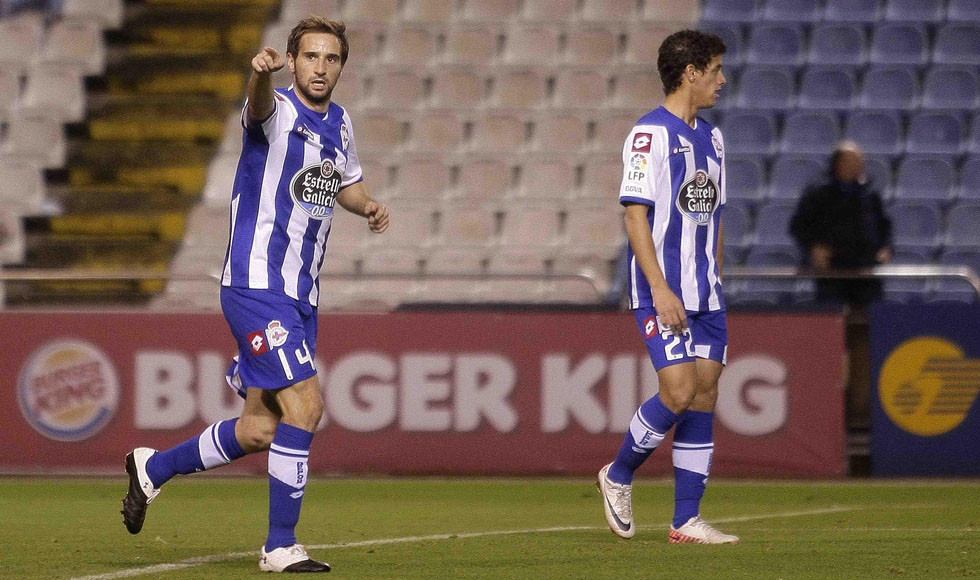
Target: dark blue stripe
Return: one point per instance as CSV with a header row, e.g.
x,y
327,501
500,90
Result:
x,y
701,265
627,199
293,455
718,215
248,187
672,238
279,242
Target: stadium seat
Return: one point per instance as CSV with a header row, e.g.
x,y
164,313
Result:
x,y
580,88
54,91
396,88
878,132
9,92
738,225
958,43
485,179
518,260
108,13
549,11
379,11
803,11
792,174
12,246
522,88
768,290
973,145
443,264
637,90
899,43
781,44
745,179
956,289
378,132
925,177
22,186
827,88
470,45
951,87
466,224
530,225
577,262
766,87
349,92
607,10
532,44
810,132
546,178
643,41
935,132
880,174
731,34
498,133
460,87
39,139
293,11
483,11
915,224
772,224
961,225
556,132
838,44
391,260
680,11
75,43
421,177
860,11
750,132
597,226
914,11
590,45
431,12
412,228
889,87
969,183
601,177
963,11
20,40
731,10
408,45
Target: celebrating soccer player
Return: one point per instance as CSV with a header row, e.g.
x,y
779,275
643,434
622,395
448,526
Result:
x,y
674,191
298,159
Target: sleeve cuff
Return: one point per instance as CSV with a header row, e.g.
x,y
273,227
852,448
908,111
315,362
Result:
x,y
628,199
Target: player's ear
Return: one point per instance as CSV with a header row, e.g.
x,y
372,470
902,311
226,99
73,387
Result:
x,y
291,62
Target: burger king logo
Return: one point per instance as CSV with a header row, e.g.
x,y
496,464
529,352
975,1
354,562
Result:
x,y
68,390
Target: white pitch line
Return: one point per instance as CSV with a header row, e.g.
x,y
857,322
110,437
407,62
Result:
x,y
212,559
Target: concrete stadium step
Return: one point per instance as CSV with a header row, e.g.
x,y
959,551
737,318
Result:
x,y
150,153
82,293
186,179
115,197
136,128
106,105
159,226
227,84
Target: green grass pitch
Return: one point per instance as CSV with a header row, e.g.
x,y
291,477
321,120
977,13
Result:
x,y
209,527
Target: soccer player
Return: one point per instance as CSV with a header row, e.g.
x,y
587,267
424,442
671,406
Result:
x,y
298,160
674,191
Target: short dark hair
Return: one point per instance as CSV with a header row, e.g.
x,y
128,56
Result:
x,y
318,24
683,48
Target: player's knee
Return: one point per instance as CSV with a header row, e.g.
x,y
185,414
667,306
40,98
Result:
x,y
256,436
679,397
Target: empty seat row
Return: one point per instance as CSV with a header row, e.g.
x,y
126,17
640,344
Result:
x,y
71,43
866,11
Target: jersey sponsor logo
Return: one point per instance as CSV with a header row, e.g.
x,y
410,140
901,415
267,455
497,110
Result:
x,y
344,136
718,148
684,149
650,327
305,132
641,142
276,334
68,390
928,385
257,342
633,189
698,198
315,187
639,162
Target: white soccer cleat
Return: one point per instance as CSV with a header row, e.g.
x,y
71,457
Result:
x,y
141,491
290,559
617,502
698,531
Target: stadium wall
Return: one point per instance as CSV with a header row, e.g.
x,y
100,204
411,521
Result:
x,y
420,393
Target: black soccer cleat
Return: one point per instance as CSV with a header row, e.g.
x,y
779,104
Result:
x,y
141,491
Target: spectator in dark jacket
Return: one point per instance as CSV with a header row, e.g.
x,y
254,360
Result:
x,y
841,224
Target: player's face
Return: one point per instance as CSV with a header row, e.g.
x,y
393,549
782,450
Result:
x,y
316,68
707,84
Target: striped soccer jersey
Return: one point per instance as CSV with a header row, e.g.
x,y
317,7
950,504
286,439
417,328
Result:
x,y
679,172
291,169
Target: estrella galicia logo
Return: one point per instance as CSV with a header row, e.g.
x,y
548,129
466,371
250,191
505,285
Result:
x,y
698,198
315,187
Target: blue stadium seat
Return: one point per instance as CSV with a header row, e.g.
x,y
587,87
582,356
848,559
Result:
x,y
958,43
925,177
804,11
731,10
973,145
909,289
827,88
913,256
767,87
738,224
775,44
878,132
889,87
750,132
731,33
935,132
963,11
745,178
880,173
899,43
969,184
772,224
961,225
914,11
958,289
791,174
769,290
915,224
862,11
813,132
838,43
951,87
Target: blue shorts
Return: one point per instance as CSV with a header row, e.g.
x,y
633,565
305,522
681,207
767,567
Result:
x,y
706,337
276,338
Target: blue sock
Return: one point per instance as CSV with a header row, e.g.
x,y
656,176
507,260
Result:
x,y
288,459
693,448
215,447
647,429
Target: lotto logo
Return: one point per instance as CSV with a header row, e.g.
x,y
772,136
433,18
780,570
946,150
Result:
x,y
641,142
258,343
650,326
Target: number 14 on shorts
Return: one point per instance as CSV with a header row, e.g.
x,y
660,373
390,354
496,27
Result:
x,y
302,357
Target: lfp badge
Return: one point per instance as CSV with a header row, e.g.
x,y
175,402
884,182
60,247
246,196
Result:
x,y
68,390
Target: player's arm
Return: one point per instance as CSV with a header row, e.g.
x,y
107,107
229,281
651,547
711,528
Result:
x,y
669,307
261,102
355,199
